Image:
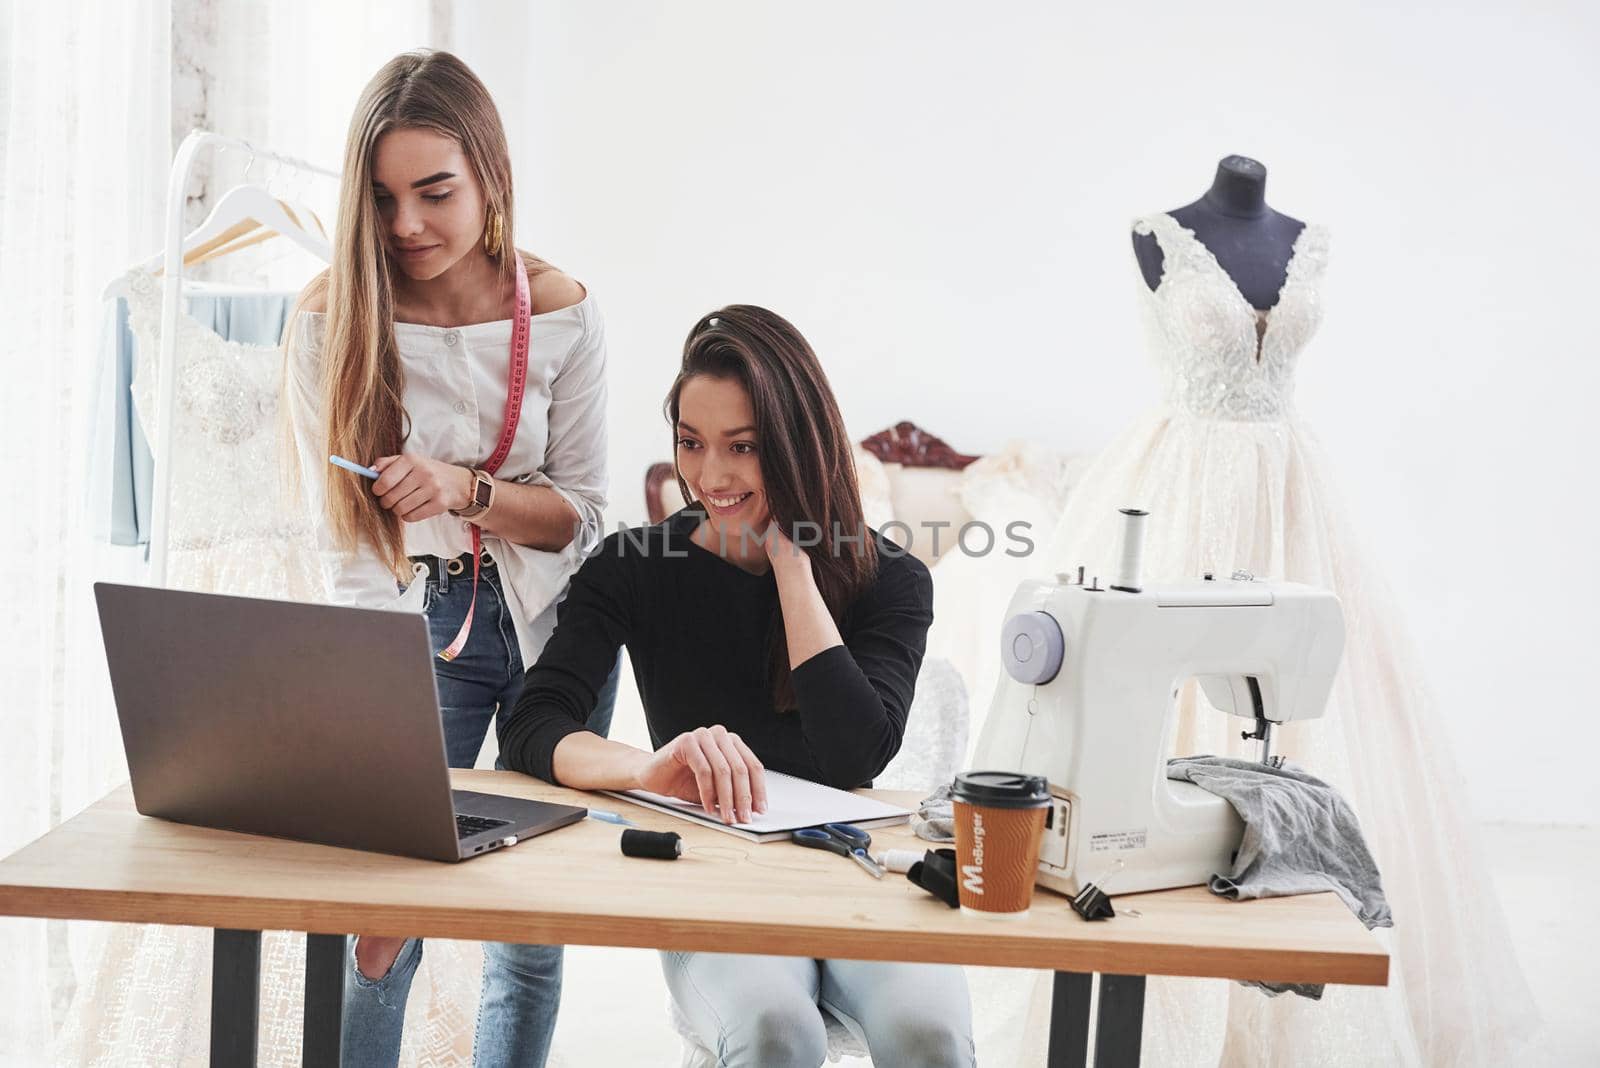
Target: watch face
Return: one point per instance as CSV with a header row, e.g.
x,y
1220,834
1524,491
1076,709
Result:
x,y
481,489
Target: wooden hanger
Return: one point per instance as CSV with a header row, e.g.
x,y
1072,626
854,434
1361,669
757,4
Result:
x,y
246,215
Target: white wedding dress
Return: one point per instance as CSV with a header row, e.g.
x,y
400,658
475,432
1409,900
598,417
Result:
x,y
143,992
1232,479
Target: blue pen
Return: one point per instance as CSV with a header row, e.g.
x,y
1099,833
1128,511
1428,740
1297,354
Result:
x,y
351,465
609,817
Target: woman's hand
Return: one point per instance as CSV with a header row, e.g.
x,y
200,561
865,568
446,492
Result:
x,y
711,765
782,553
417,488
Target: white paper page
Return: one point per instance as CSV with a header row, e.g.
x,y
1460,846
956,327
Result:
x,y
791,804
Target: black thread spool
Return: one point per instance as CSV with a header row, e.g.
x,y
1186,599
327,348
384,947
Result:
x,y
657,845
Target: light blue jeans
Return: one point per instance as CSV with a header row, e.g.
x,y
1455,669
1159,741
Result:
x,y
521,984
753,1010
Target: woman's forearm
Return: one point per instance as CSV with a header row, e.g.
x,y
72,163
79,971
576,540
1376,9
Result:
x,y
586,761
807,625
536,516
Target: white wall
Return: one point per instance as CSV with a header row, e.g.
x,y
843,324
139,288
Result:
x,y
938,195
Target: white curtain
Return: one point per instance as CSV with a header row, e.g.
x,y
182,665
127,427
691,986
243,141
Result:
x,y
84,155
86,98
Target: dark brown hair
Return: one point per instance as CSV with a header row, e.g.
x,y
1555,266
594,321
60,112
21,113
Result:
x,y
807,468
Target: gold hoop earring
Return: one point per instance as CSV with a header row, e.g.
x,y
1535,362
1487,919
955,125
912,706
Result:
x,y
493,234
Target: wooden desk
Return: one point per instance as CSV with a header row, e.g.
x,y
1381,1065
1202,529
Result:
x,y
573,886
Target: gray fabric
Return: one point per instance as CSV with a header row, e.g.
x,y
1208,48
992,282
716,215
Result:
x,y
935,818
1300,837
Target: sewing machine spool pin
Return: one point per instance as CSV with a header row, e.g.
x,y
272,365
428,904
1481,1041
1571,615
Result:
x,y
1132,562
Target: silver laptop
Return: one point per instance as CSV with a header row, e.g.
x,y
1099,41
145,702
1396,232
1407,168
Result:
x,y
302,721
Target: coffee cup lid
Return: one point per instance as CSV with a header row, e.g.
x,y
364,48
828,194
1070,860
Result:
x,y
1001,789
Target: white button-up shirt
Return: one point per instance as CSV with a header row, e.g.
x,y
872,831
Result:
x,y
456,380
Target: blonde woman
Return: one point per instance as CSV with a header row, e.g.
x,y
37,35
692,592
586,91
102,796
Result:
x,y
401,358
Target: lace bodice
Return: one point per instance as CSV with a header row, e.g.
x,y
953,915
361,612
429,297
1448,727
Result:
x,y
1221,358
233,526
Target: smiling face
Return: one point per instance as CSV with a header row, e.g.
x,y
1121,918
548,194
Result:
x,y
430,204
717,455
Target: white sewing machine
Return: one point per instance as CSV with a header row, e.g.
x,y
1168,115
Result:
x,y
1088,701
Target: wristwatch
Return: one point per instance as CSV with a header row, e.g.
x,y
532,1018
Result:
x,y
482,495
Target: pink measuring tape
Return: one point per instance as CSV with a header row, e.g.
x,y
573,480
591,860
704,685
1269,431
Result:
x,y
520,329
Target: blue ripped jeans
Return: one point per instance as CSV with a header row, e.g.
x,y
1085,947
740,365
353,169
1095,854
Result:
x,y
521,984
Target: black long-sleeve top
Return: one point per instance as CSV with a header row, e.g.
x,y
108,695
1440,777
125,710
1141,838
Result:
x,y
698,632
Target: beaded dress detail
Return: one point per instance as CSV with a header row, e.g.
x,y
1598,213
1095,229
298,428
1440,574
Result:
x,y
1233,479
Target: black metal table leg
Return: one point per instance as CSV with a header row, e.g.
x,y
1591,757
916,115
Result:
x,y
1069,1020
1119,1021
324,1006
235,997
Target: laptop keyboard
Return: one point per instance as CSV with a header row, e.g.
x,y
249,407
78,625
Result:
x,y
467,826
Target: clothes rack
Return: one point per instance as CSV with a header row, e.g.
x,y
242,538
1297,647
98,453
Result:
x,y
171,292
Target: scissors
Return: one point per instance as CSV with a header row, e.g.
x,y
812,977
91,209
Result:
x,y
843,839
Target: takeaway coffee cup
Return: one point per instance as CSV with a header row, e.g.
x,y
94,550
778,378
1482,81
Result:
x,y
999,818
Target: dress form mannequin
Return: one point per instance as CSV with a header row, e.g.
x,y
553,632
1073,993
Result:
x,y
1250,241
1236,475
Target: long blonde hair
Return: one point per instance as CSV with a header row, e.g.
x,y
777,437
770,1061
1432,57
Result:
x,y
362,382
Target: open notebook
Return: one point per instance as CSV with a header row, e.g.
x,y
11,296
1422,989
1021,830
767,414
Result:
x,y
791,804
